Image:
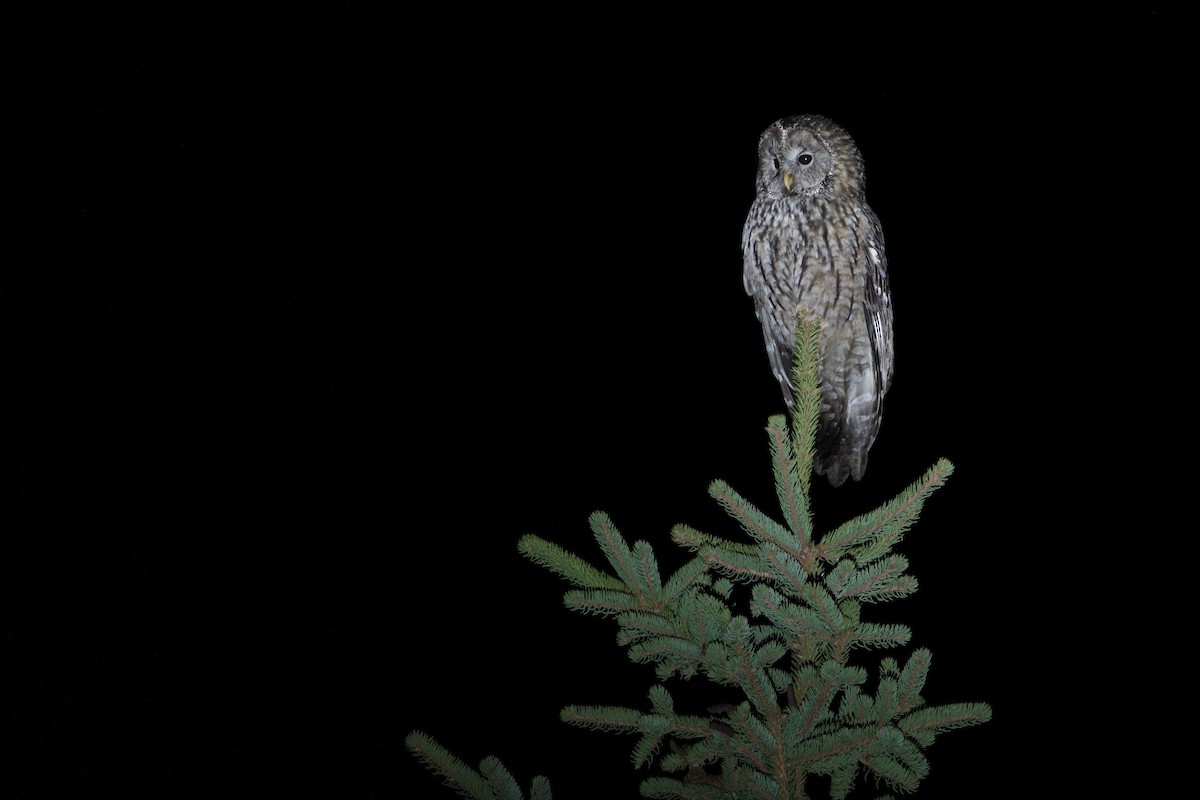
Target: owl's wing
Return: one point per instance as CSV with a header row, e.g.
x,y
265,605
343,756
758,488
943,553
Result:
x,y
878,302
760,279
865,367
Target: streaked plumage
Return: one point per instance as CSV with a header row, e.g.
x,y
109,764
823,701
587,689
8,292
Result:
x,y
810,240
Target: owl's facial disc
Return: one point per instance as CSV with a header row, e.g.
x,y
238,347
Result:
x,y
805,163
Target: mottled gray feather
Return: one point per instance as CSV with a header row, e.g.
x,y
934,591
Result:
x,y
811,241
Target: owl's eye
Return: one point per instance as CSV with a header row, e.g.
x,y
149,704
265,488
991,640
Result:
x,y
775,161
805,159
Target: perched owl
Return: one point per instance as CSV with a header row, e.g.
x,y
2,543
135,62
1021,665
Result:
x,y
811,241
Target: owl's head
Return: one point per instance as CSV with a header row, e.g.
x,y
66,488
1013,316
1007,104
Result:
x,y
807,156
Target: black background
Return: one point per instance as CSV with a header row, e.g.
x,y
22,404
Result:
x,y
308,318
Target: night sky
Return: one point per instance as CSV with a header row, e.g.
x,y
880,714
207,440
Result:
x,y
309,319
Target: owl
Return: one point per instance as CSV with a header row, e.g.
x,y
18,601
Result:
x,y
811,241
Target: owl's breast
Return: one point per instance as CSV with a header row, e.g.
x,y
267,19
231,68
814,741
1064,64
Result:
x,y
806,252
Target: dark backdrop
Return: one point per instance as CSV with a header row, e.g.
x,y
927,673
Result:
x,y
309,318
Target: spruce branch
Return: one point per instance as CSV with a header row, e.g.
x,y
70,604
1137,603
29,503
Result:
x,y
566,565
698,541
695,571
492,781
615,719
877,582
790,490
871,535
785,570
806,380
777,618
761,527
924,724
616,551
602,602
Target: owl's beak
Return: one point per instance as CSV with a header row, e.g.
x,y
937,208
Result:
x,y
788,180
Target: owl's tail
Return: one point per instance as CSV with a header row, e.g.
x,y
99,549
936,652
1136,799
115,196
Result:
x,y
838,466
845,436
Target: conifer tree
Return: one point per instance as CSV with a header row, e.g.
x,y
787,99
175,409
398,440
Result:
x,y
776,617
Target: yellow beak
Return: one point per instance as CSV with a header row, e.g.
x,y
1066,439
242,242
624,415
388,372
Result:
x,y
788,180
